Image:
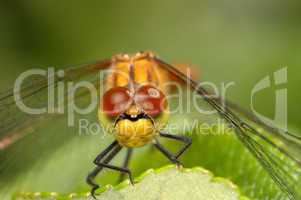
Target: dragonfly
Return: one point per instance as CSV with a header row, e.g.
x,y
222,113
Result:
x,y
135,108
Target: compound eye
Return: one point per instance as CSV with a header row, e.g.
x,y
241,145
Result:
x,y
151,100
116,101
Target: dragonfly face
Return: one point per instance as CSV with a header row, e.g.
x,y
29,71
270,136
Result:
x,y
134,116
134,107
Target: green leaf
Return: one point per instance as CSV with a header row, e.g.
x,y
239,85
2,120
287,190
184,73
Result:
x,y
168,183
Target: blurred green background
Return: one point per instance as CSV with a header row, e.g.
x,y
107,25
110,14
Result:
x,y
240,41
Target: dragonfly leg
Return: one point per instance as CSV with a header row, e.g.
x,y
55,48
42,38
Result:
x,y
168,154
105,152
91,182
90,178
120,169
104,164
186,140
127,159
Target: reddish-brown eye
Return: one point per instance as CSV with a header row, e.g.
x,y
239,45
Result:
x,y
116,101
151,100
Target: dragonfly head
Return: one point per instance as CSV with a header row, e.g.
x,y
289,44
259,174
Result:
x,y
134,118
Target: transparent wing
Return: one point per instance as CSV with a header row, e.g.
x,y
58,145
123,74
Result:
x,y
284,170
287,142
277,152
14,123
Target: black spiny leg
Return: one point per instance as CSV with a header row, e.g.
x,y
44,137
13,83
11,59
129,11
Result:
x,y
90,178
169,155
127,159
186,140
91,182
